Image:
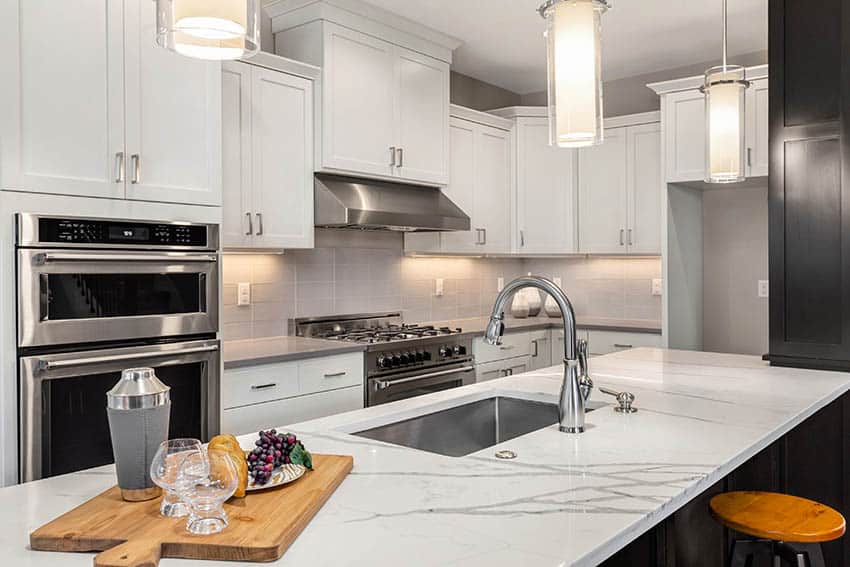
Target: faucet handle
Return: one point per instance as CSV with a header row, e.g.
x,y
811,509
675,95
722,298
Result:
x,y
625,399
585,383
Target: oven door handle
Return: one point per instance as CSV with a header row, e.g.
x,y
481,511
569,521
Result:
x,y
54,364
384,384
94,257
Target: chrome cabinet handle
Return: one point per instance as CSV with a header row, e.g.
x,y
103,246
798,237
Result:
x,y
257,387
478,240
617,345
621,237
749,157
536,348
336,374
173,258
260,222
484,235
630,237
507,347
250,225
52,364
392,156
119,167
400,152
522,238
384,384
136,162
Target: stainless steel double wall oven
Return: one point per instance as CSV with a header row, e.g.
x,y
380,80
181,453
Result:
x,y
96,296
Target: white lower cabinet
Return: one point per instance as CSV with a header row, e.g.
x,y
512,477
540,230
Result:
x,y
269,395
502,368
606,342
541,349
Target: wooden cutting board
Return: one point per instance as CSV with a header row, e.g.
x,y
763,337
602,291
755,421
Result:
x,y
133,534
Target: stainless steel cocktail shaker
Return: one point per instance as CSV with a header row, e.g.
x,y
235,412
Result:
x,y
139,408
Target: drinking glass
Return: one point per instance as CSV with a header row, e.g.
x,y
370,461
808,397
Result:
x,y
206,481
165,469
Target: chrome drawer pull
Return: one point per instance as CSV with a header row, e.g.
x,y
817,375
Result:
x,y
617,345
335,374
384,384
264,386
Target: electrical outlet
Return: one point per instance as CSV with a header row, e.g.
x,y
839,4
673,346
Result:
x,y
764,288
657,286
439,288
557,282
500,283
243,293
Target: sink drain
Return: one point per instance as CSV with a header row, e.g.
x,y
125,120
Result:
x,y
505,454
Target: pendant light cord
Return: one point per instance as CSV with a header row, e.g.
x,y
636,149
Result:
x,y
724,36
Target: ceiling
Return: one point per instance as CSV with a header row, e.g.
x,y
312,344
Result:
x,y
503,42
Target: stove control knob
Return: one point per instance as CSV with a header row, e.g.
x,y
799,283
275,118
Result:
x,y
420,356
384,361
444,351
405,358
426,355
459,350
396,359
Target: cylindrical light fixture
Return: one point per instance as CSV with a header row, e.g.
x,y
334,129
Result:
x,y
573,40
725,106
209,29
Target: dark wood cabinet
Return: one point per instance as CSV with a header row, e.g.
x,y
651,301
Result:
x,y
809,187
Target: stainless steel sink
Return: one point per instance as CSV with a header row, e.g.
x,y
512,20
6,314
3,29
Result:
x,y
470,427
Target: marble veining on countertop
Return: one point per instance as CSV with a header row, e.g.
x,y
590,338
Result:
x,y
565,500
250,352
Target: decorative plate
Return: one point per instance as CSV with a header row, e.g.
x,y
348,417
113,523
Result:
x,y
281,475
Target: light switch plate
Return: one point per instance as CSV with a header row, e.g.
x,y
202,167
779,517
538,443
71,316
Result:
x,y
500,283
439,287
657,286
243,293
764,288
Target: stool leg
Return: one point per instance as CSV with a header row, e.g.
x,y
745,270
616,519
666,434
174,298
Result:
x,y
800,554
744,551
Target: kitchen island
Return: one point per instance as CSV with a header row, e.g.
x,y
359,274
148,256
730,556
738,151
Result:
x,y
564,500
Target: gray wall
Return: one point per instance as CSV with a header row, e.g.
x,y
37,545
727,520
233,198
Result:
x,y
479,95
735,319
631,95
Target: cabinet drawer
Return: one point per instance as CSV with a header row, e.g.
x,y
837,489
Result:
x,y
513,344
248,419
330,373
257,384
604,342
502,368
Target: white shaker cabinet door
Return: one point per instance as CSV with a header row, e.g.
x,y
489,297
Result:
x,y
61,100
602,195
684,131
643,235
282,172
358,118
461,187
493,189
173,108
423,117
758,142
546,191
237,224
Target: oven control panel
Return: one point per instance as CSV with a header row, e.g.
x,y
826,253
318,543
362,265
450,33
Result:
x,y
123,233
403,357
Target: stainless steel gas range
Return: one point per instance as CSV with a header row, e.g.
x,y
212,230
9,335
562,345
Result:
x,y
402,360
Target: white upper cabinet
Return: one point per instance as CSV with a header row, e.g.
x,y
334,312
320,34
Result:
x,y
385,89
90,106
546,179
62,99
267,157
461,189
358,103
173,117
643,170
683,117
602,195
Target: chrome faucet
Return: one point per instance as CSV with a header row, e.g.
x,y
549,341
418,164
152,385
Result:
x,y
574,390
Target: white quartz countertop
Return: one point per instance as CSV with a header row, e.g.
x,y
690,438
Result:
x,y
565,499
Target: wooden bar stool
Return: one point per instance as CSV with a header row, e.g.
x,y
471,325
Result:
x,y
788,528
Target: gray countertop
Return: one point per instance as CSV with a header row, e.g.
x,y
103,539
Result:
x,y
251,352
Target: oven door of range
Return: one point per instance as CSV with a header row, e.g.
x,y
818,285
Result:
x,y
84,296
63,425
385,389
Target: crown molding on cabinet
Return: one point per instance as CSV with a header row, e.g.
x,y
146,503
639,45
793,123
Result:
x,y
512,112
479,117
284,65
690,83
354,14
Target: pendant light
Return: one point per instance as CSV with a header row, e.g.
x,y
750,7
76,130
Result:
x,y
209,29
725,87
573,42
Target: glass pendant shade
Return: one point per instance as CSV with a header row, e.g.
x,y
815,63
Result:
x,y
209,29
573,40
725,101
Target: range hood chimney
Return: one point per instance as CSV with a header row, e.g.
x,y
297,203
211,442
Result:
x,y
366,204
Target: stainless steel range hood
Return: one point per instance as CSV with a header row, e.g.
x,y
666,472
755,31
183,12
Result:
x,y
366,204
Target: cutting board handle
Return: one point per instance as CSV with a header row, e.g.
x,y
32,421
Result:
x,y
139,553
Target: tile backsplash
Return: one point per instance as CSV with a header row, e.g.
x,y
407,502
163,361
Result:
x,y
329,281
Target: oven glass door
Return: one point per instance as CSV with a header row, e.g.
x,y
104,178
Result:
x,y
64,427
74,297
385,389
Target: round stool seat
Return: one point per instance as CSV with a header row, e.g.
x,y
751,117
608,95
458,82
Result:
x,y
778,517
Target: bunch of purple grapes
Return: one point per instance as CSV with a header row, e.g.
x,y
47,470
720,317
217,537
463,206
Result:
x,y
272,450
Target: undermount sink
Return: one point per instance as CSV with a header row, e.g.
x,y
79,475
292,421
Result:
x,y
471,427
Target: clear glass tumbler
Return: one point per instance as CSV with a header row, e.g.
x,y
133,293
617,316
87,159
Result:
x,y
206,482
165,469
